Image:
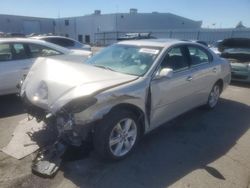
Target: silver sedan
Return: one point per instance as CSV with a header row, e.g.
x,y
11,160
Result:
x,y
124,91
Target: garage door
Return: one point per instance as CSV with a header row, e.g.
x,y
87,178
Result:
x,y
31,27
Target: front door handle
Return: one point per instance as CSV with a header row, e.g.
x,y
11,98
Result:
x,y
189,78
25,68
214,69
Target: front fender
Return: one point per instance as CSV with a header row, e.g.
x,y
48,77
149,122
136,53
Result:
x,y
104,105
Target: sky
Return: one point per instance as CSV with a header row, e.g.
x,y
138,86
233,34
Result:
x,y
213,13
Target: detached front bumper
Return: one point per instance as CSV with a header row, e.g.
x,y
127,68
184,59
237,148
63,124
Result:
x,y
49,158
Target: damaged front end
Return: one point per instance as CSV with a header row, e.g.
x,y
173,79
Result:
x,y
48,159
64,95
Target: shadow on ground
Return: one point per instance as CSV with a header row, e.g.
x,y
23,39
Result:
x,y
10,105
164,156
187,143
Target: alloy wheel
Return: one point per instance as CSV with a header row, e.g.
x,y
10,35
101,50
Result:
x,y
214,96
123,137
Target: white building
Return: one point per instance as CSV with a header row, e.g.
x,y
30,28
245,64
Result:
x,y
104,29
25,25
85,28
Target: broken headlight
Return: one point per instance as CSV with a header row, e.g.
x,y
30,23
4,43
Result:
x,y
42,92
79,104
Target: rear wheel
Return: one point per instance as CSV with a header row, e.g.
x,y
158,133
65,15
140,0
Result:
x,y
116,135
214,96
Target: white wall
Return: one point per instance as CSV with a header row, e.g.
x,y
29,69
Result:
x,y
142,22
18,24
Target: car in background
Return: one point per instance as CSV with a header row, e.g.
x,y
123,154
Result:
x,y
124,91
237,52
201,42
18,54
136,36
214,47
64,42
197,41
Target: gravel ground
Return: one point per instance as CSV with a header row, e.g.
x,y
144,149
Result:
x,y
198,149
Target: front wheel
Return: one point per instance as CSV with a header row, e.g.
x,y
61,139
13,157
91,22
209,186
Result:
x,y
116,135
214,96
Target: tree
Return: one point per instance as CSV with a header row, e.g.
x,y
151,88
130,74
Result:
x,y
240,25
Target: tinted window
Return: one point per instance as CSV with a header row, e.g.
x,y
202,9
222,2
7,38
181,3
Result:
x,y
175,59
41,51
5,52
61,42
198,56
80,39
19,52
66,22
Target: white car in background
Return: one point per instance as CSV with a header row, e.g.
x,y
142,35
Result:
x,y
64,42
18,54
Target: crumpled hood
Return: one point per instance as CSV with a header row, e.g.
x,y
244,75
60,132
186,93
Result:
x,y
64,78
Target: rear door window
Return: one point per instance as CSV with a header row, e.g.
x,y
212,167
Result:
x,y
175,59
41,51
198,56
5,52
19,51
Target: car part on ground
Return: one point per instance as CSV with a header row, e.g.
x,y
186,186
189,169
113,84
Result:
x,y
47,161
126,90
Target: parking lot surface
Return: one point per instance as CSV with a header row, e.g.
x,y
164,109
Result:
x,y
198,149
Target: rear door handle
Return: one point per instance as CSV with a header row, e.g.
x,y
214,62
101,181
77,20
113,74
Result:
x,y
25,68
189,78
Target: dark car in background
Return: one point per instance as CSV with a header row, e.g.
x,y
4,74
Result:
x,y
237,52
64,42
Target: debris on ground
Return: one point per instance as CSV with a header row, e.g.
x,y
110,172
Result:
x,y
21,143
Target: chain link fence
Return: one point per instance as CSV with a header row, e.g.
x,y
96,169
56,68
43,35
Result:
x,y
208,35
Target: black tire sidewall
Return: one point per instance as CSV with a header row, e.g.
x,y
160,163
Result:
x,y
103,130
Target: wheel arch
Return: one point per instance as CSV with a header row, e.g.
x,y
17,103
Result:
x,y
220,83
135,110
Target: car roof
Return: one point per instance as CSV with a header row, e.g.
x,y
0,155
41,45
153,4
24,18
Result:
x,y
51,36
156,42
16,39
34,41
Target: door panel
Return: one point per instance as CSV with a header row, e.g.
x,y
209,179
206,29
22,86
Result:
x,y
11,72
170,97
13,69
203,72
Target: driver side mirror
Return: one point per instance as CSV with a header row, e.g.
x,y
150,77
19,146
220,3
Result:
x,y
164,73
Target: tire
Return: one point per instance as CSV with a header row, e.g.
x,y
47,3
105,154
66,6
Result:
x,y
214,96
112,140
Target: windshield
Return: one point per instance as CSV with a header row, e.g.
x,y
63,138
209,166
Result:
x,y
133,60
